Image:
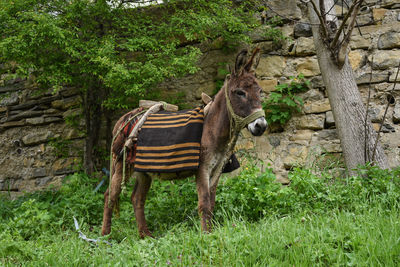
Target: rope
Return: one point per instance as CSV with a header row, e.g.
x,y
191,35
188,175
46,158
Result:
x,y
111,154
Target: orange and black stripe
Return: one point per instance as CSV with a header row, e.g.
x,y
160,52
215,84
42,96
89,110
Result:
x,y
170,141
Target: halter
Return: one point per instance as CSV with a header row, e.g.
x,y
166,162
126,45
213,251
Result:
x,y
237,122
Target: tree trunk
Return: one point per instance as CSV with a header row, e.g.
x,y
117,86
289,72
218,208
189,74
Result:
x,y
93,114
347,106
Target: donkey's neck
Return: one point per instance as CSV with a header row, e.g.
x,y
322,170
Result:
x,y
218,120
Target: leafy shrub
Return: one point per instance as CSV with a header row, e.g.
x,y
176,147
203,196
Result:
x,y
253,194
283,102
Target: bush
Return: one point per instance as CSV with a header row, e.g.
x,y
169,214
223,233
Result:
x,y
253,194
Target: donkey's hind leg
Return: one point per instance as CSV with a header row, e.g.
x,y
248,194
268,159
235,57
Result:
x,y
111,198
138,198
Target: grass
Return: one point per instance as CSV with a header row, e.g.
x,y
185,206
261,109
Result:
x,y
340,238
313,222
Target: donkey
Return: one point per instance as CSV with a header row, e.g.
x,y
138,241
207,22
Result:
x,y
236,105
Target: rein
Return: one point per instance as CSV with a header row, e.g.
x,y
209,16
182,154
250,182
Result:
x,y
237,122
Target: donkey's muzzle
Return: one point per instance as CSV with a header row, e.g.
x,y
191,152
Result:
x,y
258,126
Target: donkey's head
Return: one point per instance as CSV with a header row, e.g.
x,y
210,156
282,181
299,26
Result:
x,y
245,94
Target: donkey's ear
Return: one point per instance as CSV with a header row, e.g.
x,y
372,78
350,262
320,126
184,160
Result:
x,y
252,64
241,59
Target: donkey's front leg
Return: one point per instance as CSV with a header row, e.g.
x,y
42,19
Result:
x,y
138,198
203,193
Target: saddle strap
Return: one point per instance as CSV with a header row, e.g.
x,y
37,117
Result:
x,y
153,109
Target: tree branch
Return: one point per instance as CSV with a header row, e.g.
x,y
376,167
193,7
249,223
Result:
x,y
321,19
343,24
366,137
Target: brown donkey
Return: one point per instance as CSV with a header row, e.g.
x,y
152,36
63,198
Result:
x,y
236,105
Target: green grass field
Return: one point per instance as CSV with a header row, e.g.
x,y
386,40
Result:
x,y
318,220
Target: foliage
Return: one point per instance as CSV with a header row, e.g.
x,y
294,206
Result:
x,y
283,102
97,46
317,220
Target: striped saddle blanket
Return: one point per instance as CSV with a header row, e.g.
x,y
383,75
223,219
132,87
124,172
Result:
x,y
170,141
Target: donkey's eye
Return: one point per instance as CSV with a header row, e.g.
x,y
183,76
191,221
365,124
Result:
x,y
240,93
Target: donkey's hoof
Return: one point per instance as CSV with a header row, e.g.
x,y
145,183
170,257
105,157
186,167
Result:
x,y
105,232
145,233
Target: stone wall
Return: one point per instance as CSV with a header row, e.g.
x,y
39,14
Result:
x,y
33,128
33,133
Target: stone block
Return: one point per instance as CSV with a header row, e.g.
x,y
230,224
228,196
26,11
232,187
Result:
x,y
317,82
295,154
271,66
312,122
12,99
302,30
262,144
274,140
66,103
392,78
48,120
268,85
390,3
63,165
385,59
396,113
357,59
312,95
375,114
302,135
331,147
303,47
40,182
389,40
318,106
286,9
35,121
378,14
269,46
329,120
37,138
327,134
359,42
38,172
12,124
377,77
386,127
308,66
365,19
244,145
